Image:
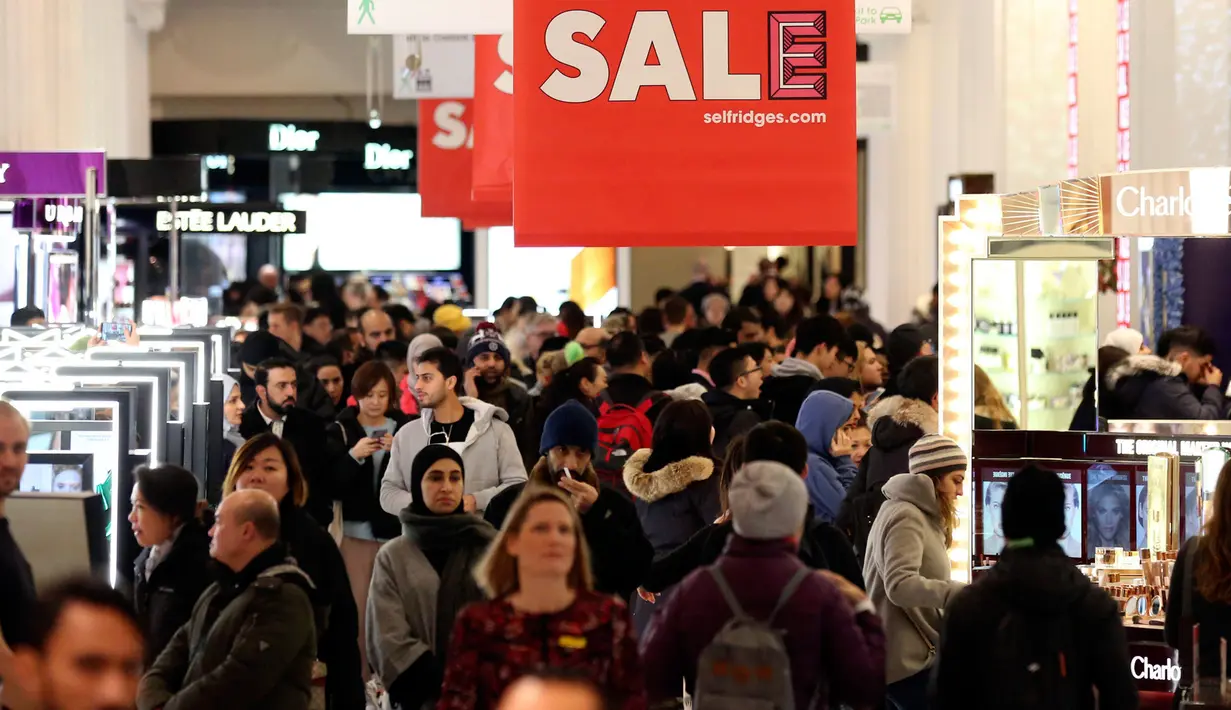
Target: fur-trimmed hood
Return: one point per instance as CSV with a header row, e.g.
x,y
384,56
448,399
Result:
x,y
1142,364
897,419
650,486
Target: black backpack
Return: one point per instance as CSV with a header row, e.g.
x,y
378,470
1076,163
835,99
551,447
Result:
x,y
1035,662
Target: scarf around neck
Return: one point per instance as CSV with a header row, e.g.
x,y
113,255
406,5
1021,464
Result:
x,y
453,545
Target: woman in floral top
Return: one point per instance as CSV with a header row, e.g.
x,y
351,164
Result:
x,y
543,614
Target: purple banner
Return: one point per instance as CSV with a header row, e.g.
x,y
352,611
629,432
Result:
x,y
50,174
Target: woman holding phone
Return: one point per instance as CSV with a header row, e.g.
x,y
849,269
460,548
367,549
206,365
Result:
x,y
359,443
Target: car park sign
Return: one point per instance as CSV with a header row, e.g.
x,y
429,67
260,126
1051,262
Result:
x,y
887,17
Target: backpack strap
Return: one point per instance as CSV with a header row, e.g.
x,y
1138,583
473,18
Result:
x,y
645,405
787,592
727,594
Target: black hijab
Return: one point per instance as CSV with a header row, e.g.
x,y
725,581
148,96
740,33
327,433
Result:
x,y
429,455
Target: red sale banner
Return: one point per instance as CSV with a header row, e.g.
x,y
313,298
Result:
x,y
493,122
445,142
685,125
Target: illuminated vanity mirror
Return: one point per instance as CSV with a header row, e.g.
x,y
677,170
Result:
x,y
1035,339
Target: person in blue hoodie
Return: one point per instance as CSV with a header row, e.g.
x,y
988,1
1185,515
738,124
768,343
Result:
x,y
830,469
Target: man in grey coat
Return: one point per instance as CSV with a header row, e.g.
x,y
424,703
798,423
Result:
x,y
476,430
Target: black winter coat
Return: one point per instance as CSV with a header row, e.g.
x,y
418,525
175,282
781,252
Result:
x,y
733,417
784,396
1214,618
1041,584
337,645
165,600
897,423
1149,387
355,483
822,546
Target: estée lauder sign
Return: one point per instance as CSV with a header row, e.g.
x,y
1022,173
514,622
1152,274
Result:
x,y
1166,203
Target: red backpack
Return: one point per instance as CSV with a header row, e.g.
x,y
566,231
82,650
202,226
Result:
x,y
622,430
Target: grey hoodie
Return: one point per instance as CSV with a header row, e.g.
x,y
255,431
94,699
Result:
x,y
906,567
489,453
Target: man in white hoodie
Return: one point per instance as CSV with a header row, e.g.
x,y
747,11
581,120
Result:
x,y
476,430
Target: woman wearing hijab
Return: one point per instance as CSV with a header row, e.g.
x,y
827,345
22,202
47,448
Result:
x,y
418,346
232,416
422,579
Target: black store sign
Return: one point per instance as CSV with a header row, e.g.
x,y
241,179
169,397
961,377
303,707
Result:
x,y
240,219
246,139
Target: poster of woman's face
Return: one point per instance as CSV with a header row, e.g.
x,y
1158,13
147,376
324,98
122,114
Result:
x,y
993,525
1108,516
1071,542
51,478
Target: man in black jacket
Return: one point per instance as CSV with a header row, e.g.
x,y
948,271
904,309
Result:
x,y
897,422
621,552
1034,610
822,349
1181,382
275,411
261,346
822,546
629,381
733,402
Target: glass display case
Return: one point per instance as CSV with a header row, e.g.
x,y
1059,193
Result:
x,y
1035,336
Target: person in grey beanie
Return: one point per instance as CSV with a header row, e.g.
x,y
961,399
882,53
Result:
x,y
833,638
620,553
1034,598
906,564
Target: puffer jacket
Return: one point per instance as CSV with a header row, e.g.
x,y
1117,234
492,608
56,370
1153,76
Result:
x,y
897,423
1149,387
907,571
165,597
250,643
1038,583
820,417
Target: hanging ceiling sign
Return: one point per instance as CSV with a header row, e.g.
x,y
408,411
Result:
x,y
404,17
59,216
446,140
51,174
684,124
433,66
882,17
492,178
232,219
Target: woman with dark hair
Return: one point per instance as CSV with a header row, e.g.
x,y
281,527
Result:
x,y
673,482
325,292
573,319
174,566
423,579
359,443
1201,591
583,381
269,464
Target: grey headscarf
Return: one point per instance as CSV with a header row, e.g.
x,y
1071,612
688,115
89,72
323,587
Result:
x,y
230,432
418,346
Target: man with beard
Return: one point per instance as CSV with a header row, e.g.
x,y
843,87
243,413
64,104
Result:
x,y
17,594
261,346
620,552
488,379
83,653
275,411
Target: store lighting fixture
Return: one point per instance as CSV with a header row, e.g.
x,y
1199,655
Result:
x,y
374,119
1124,267
112,380
375,90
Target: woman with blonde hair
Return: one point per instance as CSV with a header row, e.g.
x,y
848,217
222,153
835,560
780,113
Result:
x,y
906,564
543,613
991,412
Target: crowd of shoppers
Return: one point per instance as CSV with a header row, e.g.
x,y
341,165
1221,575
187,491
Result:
x,y
696,500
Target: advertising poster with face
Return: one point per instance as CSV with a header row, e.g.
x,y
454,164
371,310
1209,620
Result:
x,y
1108,514
995,483
1071,541
51,478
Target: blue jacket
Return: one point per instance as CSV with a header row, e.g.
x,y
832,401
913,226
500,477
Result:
x,y
820,417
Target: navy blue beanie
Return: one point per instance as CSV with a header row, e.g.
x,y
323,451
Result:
x,y
570,424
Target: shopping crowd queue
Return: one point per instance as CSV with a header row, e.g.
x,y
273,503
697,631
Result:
x,y
748,506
